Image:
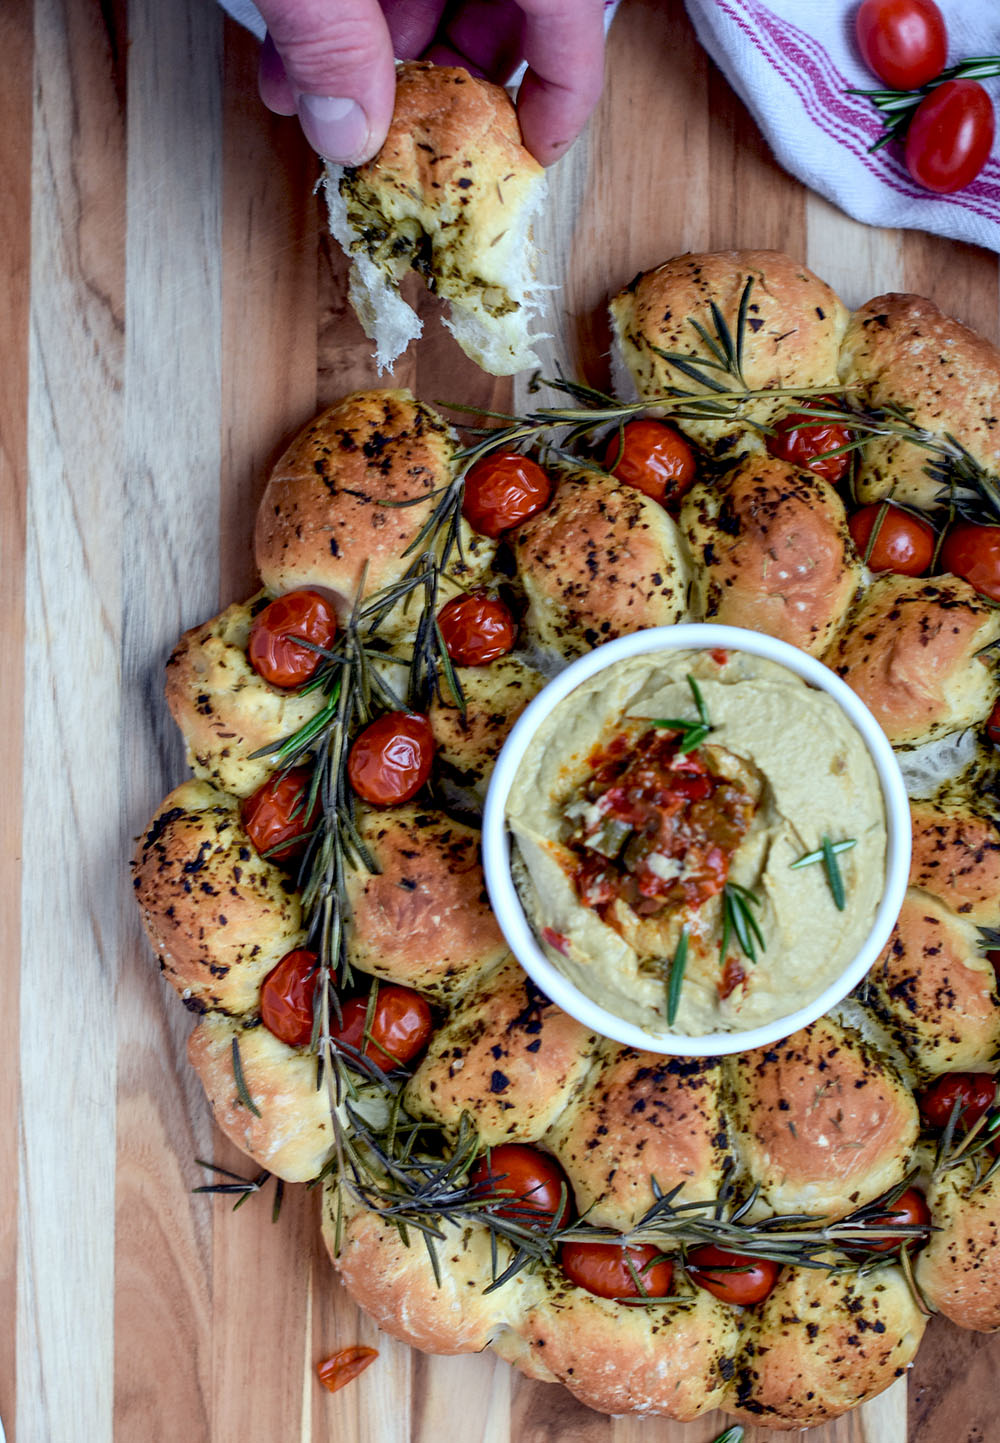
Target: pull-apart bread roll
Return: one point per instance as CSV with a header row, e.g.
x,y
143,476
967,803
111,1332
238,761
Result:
x,y
773,552
602,560
910,650
791,331
956,852
451,194
959,1270
351,493
901,350
469,737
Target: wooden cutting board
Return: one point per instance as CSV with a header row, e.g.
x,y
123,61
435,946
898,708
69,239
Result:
x,y
171,314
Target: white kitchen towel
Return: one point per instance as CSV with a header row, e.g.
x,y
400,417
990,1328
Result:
x,y
792,61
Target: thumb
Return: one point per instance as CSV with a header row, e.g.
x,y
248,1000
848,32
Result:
x,y
337,63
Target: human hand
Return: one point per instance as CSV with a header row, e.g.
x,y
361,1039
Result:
x,y
331,63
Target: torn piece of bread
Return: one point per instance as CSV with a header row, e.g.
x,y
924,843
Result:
x,y
451,194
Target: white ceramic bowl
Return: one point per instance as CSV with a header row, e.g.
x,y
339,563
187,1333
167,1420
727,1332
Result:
x,y
496,840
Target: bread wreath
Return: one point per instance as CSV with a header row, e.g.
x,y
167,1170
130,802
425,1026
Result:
x,y
824,1123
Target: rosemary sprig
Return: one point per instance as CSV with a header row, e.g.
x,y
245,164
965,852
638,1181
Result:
x,y
675,976
897,107
242,1187
725,353
738,920
975,1146
692,733
808,858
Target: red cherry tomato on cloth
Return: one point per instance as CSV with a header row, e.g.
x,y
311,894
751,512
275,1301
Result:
x,y
973,1091
286,998
342,1368
654,458
609,1270
401,1025
903,42
391,759
801,440
731,1277
476,629
909,1208
534,1182
275,815
903,543
973,552
502,490
950,136
273,650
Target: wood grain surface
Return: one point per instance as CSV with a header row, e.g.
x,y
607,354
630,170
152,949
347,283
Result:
x,y
171,313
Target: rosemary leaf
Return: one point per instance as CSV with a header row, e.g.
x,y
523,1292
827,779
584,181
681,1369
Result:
x,y
832,868
818,856
241,1086
676,976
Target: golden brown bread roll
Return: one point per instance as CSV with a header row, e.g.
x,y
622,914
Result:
x,y
330,512
423,919
901,349
959,1269
218,915
225,711
910,650
452,194
469,739
936,991
826,1341
956,856
823,1123
794,327
293,1136
509,1054
772,552
641,1115
600,561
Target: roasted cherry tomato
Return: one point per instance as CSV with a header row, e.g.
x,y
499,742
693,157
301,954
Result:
x,y
903,543
401,1025
973,1091
993,724
731,1277
273,648
973,552
391,759
801,441
654,458
476,629
950,136
502,490
275,815
903,42
286,998
909,1208
343,1367
534,1182
610,1270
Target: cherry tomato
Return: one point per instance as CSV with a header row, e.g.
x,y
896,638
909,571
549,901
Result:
x,y
342,1368
910,1208
904,42
476,629
401,1025
275,815
993,724
731,1277
903,543
801,441
950,136
391,759
973,552
273,650
286,998
654,458
609,1270
502,490
534,1181
974,1091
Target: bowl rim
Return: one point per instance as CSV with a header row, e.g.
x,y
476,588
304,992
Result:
x,y
496,846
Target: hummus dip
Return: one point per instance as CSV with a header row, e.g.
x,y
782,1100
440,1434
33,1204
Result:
x,y
781,769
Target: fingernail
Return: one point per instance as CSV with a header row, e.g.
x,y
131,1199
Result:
x,y
337,128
